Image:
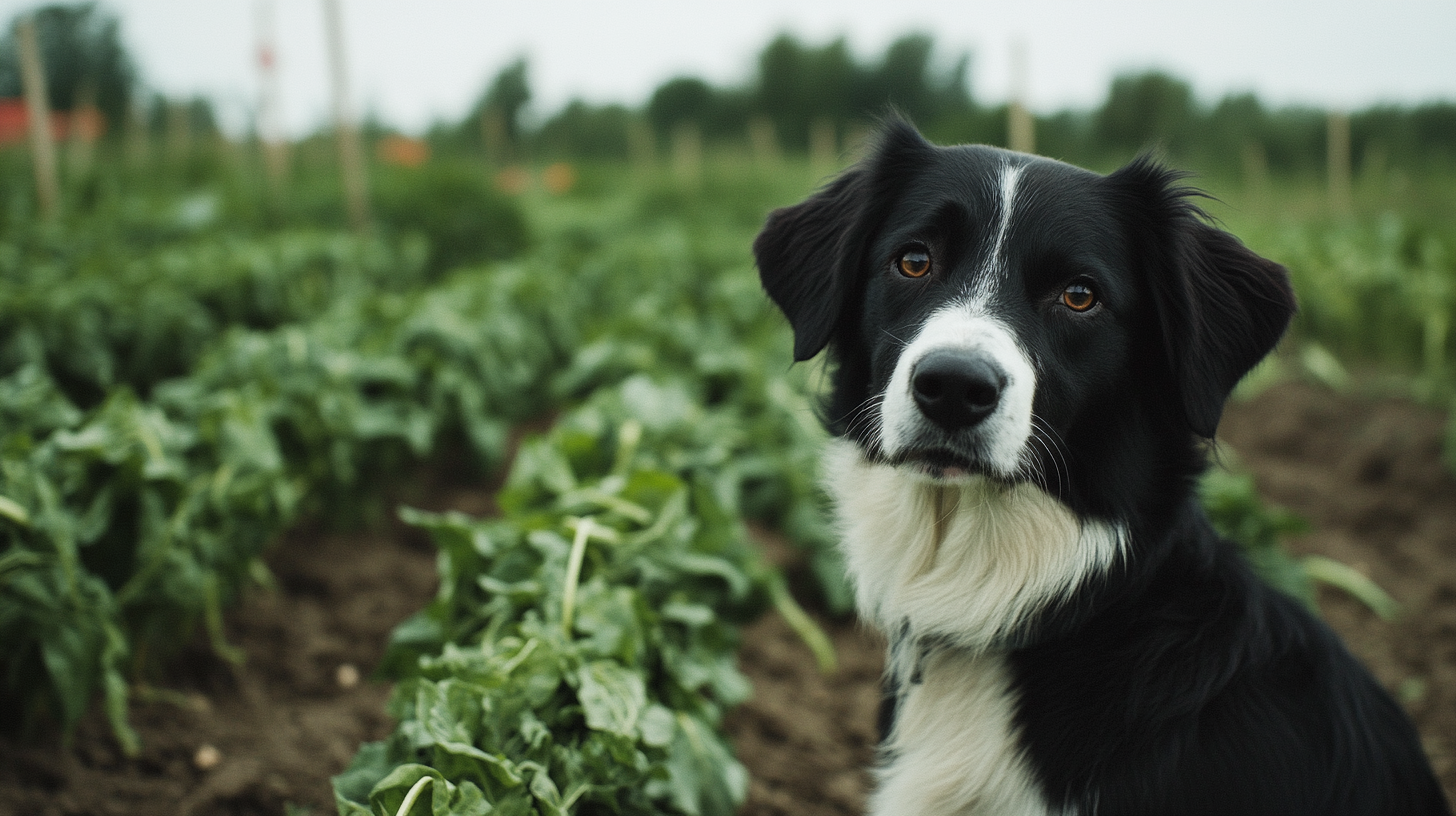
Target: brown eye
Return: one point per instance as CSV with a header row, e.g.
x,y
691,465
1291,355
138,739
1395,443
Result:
x,y
914,264
1079,297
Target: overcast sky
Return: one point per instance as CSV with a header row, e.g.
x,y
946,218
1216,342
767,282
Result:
x,y
414,61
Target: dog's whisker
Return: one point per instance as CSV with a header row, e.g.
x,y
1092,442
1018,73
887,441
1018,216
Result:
x,y
1051,442
895,337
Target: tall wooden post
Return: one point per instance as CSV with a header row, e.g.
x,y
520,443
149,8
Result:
x,y
1020,127
179,131
763,139
1338,155
1256,171
494,138
351,155
641,146
138,136
687,152
823,146
38,112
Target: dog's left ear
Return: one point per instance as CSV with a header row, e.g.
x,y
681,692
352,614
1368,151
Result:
x,y
809,254
1221,308
802,255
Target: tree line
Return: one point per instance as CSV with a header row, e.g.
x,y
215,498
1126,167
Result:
x,y
798,84
796,89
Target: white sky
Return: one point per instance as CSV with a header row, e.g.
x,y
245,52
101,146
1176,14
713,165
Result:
x,y
414,61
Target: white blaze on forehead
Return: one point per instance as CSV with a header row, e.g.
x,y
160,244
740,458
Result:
x,y
995,269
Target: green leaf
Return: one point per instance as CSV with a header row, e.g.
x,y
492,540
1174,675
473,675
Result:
x,y
11,509
612,697
703,777
657,725
371,764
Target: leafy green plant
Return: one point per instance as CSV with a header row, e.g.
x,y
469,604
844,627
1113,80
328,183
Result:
x,y
455,207
1238,513
113,314
580,653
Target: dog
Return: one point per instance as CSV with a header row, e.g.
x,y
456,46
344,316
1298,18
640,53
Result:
x,y
1028,364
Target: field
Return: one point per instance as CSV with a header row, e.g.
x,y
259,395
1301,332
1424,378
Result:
x,y
532,520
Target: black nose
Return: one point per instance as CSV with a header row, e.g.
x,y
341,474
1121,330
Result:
x,y
956,389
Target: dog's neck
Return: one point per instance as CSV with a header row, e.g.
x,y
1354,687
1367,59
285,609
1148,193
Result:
x,y
965,565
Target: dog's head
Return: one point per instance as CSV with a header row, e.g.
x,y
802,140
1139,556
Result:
x,y
998,315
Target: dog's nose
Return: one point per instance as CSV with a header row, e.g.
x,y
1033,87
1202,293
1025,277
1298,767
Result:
x,y
955,389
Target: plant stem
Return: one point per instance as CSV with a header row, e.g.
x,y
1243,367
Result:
x,y
573,572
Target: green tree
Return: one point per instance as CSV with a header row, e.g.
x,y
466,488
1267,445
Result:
x,y
582,130
679,100
81,53
507,96
797,85
1146,109
905,78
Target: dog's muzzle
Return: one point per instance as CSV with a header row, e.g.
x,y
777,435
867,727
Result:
x,y
955,388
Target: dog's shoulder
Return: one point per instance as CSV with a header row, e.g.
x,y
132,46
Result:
x,y
1213,692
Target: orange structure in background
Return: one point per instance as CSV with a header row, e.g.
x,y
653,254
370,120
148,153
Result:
x,y
86,123
402,151
514,179
559,178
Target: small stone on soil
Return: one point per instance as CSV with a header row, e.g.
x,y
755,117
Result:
x,y
347,676
206,758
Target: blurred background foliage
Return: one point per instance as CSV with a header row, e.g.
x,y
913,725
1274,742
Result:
x,y
797,86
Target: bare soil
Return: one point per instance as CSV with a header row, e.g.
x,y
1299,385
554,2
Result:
x,y
265,737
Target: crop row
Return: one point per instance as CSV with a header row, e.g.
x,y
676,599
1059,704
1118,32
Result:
x,y
129,521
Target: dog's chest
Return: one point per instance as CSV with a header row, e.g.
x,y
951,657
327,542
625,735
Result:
x,y
960,564
951,573
954,748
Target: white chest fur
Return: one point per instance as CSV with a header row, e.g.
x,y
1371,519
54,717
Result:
x,y
954,749
960,565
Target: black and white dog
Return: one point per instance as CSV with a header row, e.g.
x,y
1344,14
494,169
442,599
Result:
x,y
1028,361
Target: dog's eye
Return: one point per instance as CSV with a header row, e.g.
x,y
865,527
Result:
x,y
1079,297
914,263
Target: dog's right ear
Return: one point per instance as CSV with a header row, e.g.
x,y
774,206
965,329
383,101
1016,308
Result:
x,y
809,254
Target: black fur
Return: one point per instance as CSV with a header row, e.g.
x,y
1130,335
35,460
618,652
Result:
x,y
1177,682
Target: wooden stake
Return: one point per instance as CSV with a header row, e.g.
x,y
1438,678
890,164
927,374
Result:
x,y
1020,126
1338,154
351,155
1256,170
823,146
493,137
641,145
138,136
179,131
764,141
687,152
38,111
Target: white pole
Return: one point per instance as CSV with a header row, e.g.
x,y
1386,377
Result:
x,y
351,155
270,115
